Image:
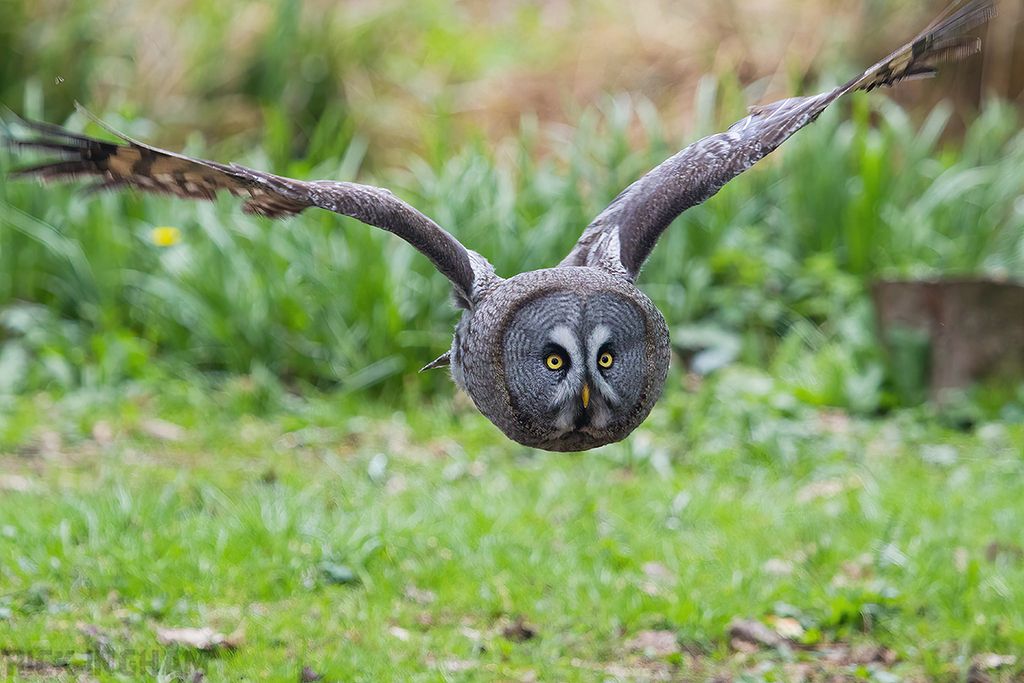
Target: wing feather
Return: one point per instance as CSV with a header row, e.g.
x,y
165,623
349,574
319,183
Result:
x,y
150,169
622,236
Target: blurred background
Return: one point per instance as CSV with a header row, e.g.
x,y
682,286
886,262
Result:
x,y
396,71
512,124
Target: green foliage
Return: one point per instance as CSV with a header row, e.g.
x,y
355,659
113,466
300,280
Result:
x,y
778,261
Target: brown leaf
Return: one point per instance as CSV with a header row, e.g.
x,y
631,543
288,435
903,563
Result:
x,y
778,566
656,571
1011,550
991,660
787,627
198,638
400,633
419,595
744,633
872,654
519,631
455,665
654,643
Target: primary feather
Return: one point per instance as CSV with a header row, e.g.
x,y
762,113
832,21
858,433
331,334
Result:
x,y
622,236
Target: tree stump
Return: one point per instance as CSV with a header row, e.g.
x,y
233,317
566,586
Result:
x,y
950,334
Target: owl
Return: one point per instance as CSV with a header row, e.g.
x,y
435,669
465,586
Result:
x,y
565,358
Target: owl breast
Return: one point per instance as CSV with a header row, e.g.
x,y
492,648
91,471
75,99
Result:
x,y
563,359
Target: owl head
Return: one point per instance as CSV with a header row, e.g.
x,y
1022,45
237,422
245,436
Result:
x,y
564,359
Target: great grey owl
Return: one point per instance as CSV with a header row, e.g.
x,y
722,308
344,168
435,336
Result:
x,y
565,358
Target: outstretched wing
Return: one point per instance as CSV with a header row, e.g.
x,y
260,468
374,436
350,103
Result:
x,y
621,238
155,170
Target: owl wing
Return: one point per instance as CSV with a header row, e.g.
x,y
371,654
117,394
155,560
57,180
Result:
x,y
155,170
621,238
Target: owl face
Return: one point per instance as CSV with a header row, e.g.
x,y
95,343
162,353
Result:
x,y
575,363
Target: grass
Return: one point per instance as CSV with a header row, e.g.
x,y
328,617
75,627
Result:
x,y
374,546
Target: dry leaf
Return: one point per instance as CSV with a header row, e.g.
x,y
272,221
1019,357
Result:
x,y
400,633
654,643
455,665
843,654
991,660
451,664
1011,550
656,571
199,638
519,631
778,567
745,634
787,627
418,595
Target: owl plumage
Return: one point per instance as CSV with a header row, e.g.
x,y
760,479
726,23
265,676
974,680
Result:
x,y
566,358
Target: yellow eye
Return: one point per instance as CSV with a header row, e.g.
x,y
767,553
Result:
x,y
554,362
605,360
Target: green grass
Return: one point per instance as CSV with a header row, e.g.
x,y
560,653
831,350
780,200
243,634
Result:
x,y
375,546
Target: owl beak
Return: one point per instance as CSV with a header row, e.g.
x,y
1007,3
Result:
x,y
585,394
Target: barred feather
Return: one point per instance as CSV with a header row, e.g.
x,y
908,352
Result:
x,y
621,238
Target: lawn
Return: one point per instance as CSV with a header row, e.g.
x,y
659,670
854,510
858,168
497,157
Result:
x,y
420,544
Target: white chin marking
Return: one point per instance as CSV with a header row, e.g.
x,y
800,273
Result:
x,y
566,419
599,415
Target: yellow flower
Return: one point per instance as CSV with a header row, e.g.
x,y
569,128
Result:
x,y
165,237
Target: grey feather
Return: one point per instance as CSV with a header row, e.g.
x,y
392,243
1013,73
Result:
x,y
639,215
155,170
